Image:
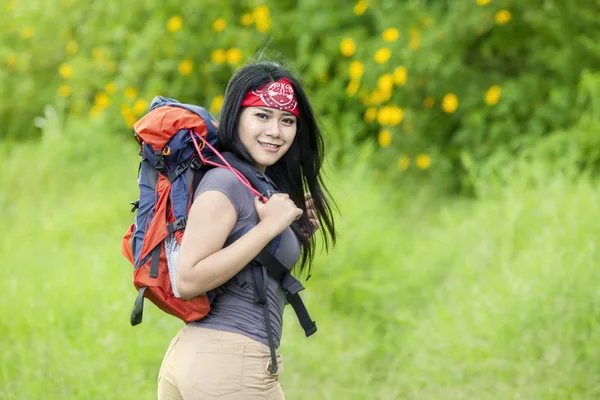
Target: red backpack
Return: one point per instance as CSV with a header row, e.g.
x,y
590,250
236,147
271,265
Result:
x,y
177,145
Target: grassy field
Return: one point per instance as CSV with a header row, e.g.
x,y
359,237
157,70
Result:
x,y
425,297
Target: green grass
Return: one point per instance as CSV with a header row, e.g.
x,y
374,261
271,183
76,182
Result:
x,y
425,297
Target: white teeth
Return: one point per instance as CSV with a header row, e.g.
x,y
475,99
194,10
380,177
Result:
x,y
268,145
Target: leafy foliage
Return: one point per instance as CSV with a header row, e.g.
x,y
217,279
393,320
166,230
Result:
x,y
438,85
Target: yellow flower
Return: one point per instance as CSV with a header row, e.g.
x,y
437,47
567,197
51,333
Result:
x,y
378,96
384,116
218,56
27,33
370,114
64,90
219,25
492,96
110,88
140,107
383,55
502,17
72,47
361,7
428,102
65,71
352,88
400,76
357,69
423,161
234,56
262,17
403,163
450,103
101,101
415,40
12,60
347,47
390,35
385,82
130,93
216,104
185,67
390,115
247,19
483,2
384,138
396,115
174,23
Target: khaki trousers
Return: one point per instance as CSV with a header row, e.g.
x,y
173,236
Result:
x,y
203,364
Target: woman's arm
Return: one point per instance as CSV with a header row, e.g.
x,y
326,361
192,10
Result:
x,y
203,262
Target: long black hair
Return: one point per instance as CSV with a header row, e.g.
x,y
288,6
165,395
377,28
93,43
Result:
x,y
299,170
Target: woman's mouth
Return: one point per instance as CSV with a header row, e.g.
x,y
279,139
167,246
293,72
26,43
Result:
x,y
270,146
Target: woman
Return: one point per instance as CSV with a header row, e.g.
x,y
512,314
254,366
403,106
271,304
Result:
x,y
267,121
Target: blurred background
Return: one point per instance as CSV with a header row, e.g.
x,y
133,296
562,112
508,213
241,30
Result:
x,y
463,147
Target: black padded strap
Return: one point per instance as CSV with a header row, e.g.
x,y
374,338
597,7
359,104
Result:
x,y
279,272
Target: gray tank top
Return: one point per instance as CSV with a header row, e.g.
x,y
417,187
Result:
x,y
234,308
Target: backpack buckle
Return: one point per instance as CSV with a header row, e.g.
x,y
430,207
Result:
x,y
180,224
196,164
159,160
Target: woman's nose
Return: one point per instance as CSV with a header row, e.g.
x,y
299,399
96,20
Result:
x,y
274,129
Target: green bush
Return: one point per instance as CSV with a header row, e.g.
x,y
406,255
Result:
x,y
438,85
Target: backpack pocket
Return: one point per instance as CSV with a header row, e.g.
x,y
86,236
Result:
x,y
172,252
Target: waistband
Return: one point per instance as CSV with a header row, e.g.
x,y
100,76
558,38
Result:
x,y
206,336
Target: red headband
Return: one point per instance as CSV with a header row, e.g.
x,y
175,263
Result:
x,y
279,95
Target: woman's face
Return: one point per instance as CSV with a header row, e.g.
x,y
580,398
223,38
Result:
x,y
267,134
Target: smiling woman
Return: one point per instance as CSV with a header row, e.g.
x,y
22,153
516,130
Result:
x,y
266,134
231,353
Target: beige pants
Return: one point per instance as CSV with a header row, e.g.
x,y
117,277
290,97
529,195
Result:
x,y
203,364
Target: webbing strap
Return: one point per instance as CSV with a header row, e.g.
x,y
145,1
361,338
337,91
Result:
x,y
154,263
261,297
138,308
288,282
306,322
180,169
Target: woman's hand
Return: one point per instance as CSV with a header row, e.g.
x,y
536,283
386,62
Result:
x,y
312,215
278,212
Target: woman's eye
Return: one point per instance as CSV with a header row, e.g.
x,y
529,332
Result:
x,y
289,121
262,116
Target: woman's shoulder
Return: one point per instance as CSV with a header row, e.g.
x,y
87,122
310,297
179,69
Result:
x,y
220,175
224,180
